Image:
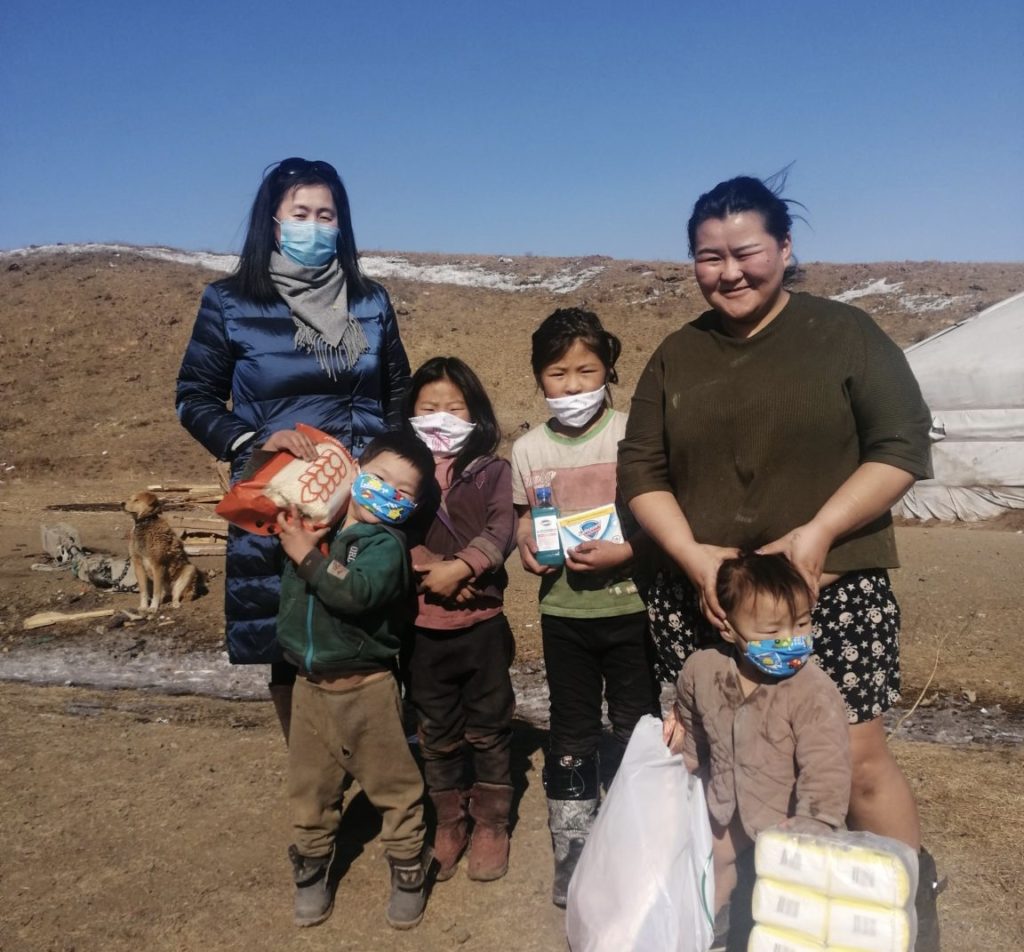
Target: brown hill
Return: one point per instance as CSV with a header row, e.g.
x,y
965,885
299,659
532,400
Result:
x,y
91,342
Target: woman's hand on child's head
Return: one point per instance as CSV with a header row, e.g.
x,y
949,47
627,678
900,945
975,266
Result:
x,y
702,564
442,579
673,733
292,441
598,556
806,548
298,536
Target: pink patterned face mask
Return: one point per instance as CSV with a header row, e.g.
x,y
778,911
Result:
x,y
444,433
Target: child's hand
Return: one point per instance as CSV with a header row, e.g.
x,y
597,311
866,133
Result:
x,y
298,536
804,824
528,551
673,733
467,593
292,441
442,579
598,556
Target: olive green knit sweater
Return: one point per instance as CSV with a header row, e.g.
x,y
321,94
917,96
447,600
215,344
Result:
x,y
753,436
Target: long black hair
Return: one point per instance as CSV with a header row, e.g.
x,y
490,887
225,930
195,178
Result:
x,y
487,434
251,279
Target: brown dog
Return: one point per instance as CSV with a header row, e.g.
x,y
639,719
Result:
x,y
158,556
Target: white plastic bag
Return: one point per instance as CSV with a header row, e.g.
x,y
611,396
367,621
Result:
x,y
645,881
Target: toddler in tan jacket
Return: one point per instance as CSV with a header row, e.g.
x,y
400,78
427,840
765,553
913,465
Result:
x,y
762,725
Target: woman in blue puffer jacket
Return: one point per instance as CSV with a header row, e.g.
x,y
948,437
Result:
x,y
296,334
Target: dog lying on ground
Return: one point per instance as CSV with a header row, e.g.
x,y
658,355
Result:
x,y
158,556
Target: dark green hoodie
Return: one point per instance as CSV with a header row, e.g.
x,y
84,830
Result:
x,y
347,611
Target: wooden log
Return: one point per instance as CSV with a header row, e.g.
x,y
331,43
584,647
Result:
x,y
206,548
205,525
45,619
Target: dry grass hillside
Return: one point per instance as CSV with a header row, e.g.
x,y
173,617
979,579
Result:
x,y
91,342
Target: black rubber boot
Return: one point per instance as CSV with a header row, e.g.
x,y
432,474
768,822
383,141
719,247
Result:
x,y
928,888
314,898
572,785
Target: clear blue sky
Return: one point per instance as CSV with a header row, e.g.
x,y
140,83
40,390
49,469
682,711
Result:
x,y
562,128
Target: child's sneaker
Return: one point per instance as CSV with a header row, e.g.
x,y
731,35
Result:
x,y
314,899
408,891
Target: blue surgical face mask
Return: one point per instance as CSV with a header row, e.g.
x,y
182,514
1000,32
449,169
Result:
x,y
780,657
387,503
309,243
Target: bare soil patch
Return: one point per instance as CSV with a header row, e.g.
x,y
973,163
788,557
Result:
x,y
132,819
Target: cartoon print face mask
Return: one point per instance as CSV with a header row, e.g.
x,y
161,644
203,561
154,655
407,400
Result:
x,y
387,503
780,657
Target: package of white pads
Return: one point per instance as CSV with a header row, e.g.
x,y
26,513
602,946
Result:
x,y
770,939
837,892
791,907
843,864
867,927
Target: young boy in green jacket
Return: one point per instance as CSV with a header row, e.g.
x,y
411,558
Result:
x,y
340,621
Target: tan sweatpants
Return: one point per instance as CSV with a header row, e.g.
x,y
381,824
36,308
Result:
x,y
354,732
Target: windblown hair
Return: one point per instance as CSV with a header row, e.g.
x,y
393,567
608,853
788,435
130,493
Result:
x,y
560,330
747,194
485,438
251,279
750,575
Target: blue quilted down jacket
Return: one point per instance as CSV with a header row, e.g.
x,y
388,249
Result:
x,y
242,374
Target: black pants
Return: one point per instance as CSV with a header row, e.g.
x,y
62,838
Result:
x,y
586,657
462,692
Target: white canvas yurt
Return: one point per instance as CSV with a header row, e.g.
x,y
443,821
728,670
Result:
x,y
972,376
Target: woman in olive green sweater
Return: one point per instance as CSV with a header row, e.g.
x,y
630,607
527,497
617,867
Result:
x,y
785,423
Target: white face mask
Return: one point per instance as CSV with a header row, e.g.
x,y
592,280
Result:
x,y
578,409
444,433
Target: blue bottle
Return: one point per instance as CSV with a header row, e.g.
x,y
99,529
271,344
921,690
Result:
x,y
545,529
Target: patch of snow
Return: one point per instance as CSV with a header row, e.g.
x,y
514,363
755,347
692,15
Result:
x,y
476,276
917,303
209,674
564,281
205,259
206,673
881,286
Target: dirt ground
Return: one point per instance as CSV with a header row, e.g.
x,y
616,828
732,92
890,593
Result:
x,y
134,819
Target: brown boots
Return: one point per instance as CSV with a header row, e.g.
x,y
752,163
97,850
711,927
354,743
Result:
x,y
489,805
452,834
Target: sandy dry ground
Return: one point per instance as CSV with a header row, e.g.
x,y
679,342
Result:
x,y
133,820
137,820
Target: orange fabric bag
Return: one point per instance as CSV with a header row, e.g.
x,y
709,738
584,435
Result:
x,y
319,488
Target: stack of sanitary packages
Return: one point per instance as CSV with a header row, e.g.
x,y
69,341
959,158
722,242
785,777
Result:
x,y
842,892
